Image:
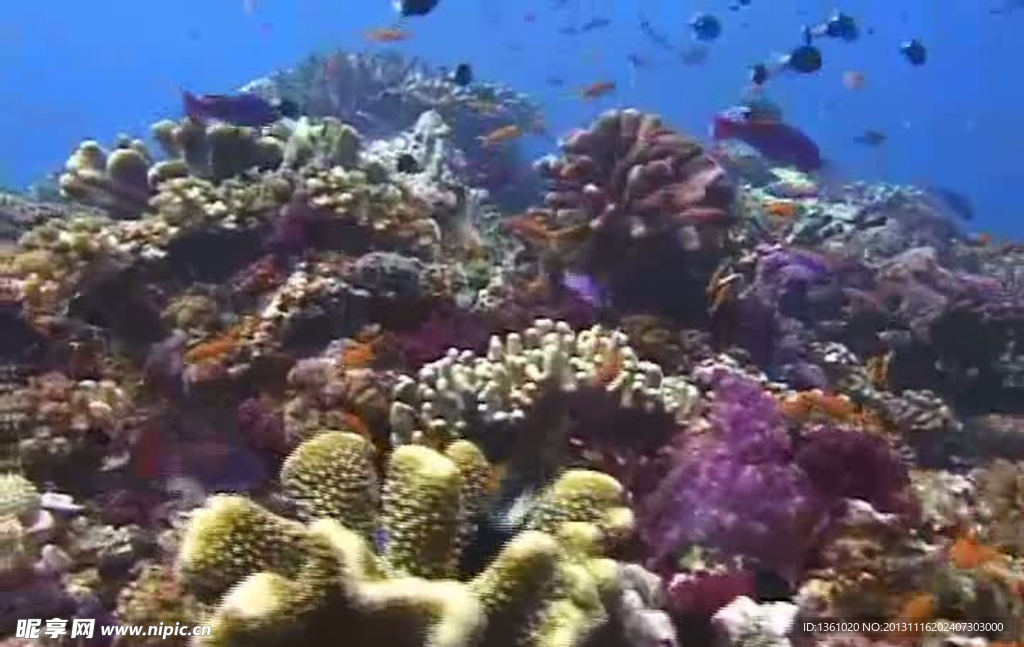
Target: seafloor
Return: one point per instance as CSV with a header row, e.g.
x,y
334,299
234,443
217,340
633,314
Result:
x,y
638,394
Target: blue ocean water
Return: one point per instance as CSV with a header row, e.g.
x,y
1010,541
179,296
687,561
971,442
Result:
x,y
70,70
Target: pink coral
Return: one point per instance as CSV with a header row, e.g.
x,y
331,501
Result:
x,y
631,177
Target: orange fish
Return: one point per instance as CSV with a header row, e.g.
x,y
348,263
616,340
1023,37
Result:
x,y
597,90
783,209
854,80
387,35
967,552
501,135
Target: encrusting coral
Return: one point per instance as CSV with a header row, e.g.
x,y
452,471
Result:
x,y
284,581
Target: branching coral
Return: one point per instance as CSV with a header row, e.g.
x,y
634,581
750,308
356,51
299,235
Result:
x,y
500,387
573,395
217,151
626,179
284,581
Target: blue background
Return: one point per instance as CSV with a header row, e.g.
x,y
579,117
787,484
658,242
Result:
x,y
70,70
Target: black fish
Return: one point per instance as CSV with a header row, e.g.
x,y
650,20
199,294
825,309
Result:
x,y
406,163
914,51
463,75
805,59
596,23
705,27
871,138
415,7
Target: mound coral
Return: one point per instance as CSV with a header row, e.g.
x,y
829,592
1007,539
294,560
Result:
x,y
283,580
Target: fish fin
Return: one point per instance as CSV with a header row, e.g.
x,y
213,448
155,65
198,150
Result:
x,y
190,105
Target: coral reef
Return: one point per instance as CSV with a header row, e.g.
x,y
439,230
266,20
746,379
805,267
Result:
x,y
791,399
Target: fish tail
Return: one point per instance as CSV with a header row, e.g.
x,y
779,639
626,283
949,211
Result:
x,y
190,103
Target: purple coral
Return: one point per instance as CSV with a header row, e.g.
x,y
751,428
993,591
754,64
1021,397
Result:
x,y
737,489
448,327
849,464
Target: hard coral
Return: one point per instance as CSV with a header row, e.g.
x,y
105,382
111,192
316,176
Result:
x,y
283,581
629,178
570,394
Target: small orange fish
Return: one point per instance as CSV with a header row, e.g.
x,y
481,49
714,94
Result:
x,y
501,135
783,209
597,90
387,35
967,552
854,80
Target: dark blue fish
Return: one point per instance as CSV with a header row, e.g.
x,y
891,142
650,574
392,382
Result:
x,y
596,23
914,51
242,109
705,27
415,7
463,75
871,138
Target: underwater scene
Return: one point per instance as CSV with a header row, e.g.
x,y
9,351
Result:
x,y
491,323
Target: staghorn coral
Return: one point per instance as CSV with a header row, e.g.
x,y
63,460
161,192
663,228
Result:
x,y
283,580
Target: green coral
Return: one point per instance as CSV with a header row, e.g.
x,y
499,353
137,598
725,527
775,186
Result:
x,y
217,151
333,476
18,496
286,583
583,495
230,539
